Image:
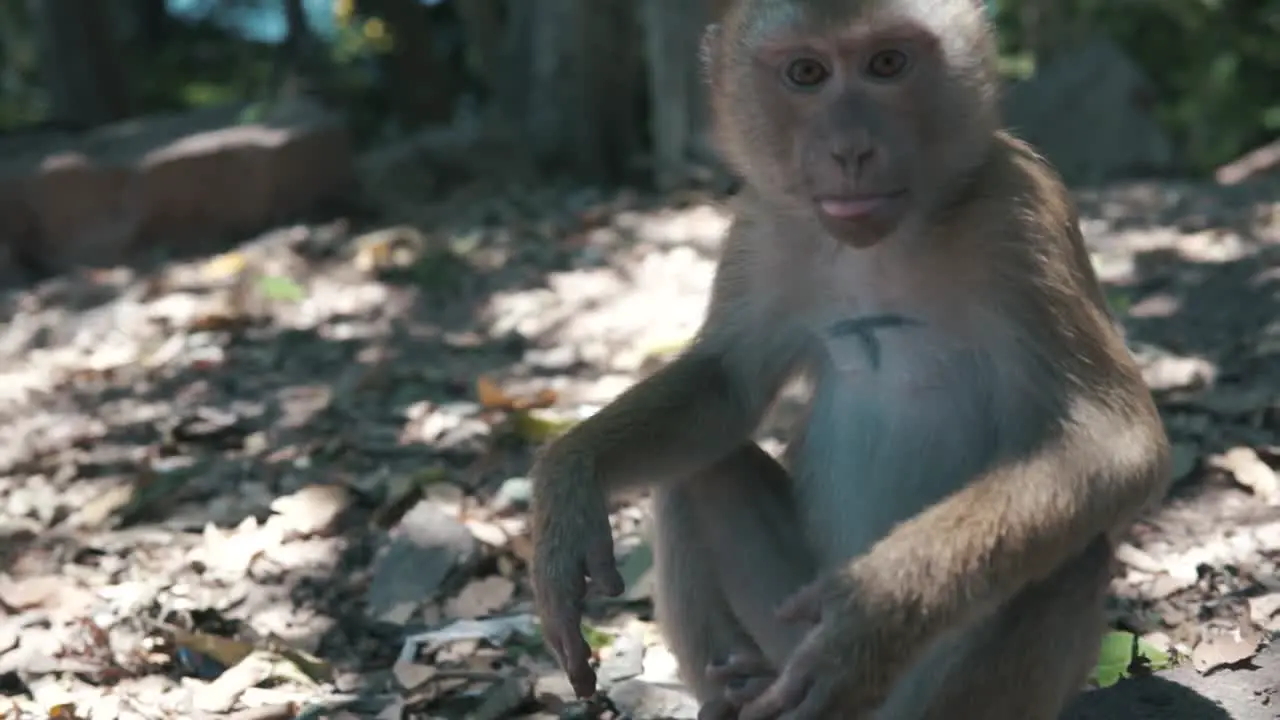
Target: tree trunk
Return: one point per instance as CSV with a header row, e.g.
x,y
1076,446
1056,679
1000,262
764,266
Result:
x,y
679,114
152,23
298,35
483,26
422,84
293,62
572,82
81,62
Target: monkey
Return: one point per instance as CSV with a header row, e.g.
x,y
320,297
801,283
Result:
x,y
936,540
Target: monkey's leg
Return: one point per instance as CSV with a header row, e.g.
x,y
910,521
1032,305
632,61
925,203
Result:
x,y
1026,661
728,549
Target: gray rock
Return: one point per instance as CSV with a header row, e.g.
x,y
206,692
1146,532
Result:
x,y
1089,112
639,700
71,201
425,547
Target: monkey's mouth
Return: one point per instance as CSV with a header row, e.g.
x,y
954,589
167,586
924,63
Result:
x,y
851,208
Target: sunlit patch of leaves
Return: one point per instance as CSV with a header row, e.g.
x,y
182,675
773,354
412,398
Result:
x,y
1119,302
597,640
281,289
1123,654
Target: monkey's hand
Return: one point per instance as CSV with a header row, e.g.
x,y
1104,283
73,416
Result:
x,y
837,670
741,678
572,541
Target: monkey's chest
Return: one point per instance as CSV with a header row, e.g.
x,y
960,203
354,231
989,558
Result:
x,y
891,433
884,353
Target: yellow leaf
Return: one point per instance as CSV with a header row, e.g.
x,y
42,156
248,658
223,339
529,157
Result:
x,y
311,666
375,29
490,395
64,711
534,427
225,265
226,651
373,255
544,398
667,347
495,398
342,10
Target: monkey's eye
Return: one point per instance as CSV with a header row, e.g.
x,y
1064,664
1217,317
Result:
x,y
806,73
887,64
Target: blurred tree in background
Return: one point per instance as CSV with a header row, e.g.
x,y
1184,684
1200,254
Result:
x,y
1215,63
590,86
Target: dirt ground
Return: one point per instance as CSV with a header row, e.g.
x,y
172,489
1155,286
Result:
x,y
287,481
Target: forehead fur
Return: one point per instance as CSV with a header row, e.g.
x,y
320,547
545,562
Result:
x,y
957,23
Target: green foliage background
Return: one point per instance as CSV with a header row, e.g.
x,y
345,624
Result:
x,y
1215,64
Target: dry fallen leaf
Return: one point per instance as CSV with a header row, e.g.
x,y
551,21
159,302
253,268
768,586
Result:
x,y
216,322
64,711
232,552
221,694
481,597
486,532
493,397
227,651
1137,558
96,511
58,594
489,394
388,247
311,510
1223,650
1250,471
522,546
412,675
1264,611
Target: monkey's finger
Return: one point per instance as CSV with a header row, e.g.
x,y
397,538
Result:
x,y
804,606
575,654
749,689
716,709
787,692
578,665
603,569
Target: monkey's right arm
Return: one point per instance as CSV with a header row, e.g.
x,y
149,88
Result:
x,y
677,421
680,419
698,408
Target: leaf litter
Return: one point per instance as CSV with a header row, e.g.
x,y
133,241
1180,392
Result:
x,y
289,481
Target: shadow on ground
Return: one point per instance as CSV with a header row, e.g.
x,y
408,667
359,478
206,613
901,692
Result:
x,y
148,403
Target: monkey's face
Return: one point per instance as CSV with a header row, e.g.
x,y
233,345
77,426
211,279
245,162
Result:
x,y
863,126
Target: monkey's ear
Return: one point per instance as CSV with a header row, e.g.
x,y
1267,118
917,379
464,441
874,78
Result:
x,y
707,54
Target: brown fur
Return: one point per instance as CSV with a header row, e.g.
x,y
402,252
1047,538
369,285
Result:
x,y
978,431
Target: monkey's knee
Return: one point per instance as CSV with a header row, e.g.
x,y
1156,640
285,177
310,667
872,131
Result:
x,y
699,625
732,532
1047,637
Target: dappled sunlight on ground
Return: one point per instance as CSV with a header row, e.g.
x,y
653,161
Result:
x,y
313,446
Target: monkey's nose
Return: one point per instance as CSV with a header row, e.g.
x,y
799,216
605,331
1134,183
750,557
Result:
x,y
853,157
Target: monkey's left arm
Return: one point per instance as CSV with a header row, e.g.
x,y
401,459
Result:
x,y
963,557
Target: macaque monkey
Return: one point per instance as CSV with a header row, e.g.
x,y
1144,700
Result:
x,y
937,542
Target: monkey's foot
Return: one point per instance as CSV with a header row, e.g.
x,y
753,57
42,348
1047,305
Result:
x,y
740,679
